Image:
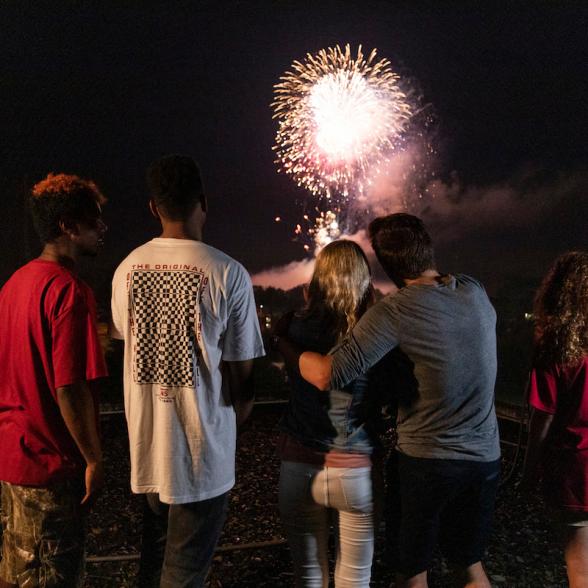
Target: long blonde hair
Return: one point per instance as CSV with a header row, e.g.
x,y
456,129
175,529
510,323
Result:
x,y
561,311
340,288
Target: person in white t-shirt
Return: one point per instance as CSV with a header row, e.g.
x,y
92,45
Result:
x,y
187,315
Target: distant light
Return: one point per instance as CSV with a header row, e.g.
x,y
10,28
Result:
x,y
278,219
528,316
261,306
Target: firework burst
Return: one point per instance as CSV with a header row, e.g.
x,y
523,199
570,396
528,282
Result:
x,y
339,116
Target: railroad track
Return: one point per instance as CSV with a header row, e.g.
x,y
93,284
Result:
x,y
512,422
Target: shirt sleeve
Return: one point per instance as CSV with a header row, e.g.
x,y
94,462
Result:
x,y
76,351
116,327
373,336
543,390
242,339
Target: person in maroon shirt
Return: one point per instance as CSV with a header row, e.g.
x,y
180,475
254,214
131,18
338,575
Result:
x,y
50,459
558,429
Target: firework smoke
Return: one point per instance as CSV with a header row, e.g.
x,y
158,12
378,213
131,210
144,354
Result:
x,y
340,117
476,227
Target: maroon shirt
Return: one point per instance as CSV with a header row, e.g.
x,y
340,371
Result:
x,y
48,339
563,392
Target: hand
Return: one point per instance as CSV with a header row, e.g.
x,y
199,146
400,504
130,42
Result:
x,y
94,481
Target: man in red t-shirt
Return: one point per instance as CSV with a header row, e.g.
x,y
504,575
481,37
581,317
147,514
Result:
x,y
50,459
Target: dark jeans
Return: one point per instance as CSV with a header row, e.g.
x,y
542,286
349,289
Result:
x,y
447,501
179,541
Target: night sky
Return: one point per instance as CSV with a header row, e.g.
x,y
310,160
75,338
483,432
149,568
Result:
x,y
103,89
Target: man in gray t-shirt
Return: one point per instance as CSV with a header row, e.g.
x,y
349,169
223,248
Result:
x,y
448,445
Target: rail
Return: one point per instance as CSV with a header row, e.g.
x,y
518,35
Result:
x,y
504,412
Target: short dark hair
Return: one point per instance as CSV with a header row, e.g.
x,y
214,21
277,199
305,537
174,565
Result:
x,y
175,186
402,245
63,198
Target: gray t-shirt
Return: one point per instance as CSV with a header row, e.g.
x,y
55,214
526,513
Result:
x,y
448,332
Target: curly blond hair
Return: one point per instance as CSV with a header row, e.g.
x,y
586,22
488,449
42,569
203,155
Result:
x,y
561,311
340,287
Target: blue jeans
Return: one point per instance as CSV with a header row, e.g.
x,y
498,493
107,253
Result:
x,y
179,541
308,496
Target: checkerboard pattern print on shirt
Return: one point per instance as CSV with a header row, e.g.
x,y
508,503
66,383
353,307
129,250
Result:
x,y
163,310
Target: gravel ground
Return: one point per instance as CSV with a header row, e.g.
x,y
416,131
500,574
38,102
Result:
x,y
522,553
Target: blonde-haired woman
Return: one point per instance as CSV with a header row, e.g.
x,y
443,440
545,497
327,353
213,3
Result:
x,y
328,438
558,430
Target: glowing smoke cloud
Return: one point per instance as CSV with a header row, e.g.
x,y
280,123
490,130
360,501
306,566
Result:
x,y
340,117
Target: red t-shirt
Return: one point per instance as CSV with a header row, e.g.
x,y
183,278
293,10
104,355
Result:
x,y
563,392
48,339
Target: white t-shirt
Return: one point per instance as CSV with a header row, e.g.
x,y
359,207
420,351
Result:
x,y
182,307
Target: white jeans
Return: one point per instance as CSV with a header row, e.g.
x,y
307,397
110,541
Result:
x,y
308,496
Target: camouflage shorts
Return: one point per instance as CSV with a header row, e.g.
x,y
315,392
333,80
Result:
x,y
43,535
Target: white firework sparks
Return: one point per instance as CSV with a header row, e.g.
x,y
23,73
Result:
x,y
326,229
339,116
